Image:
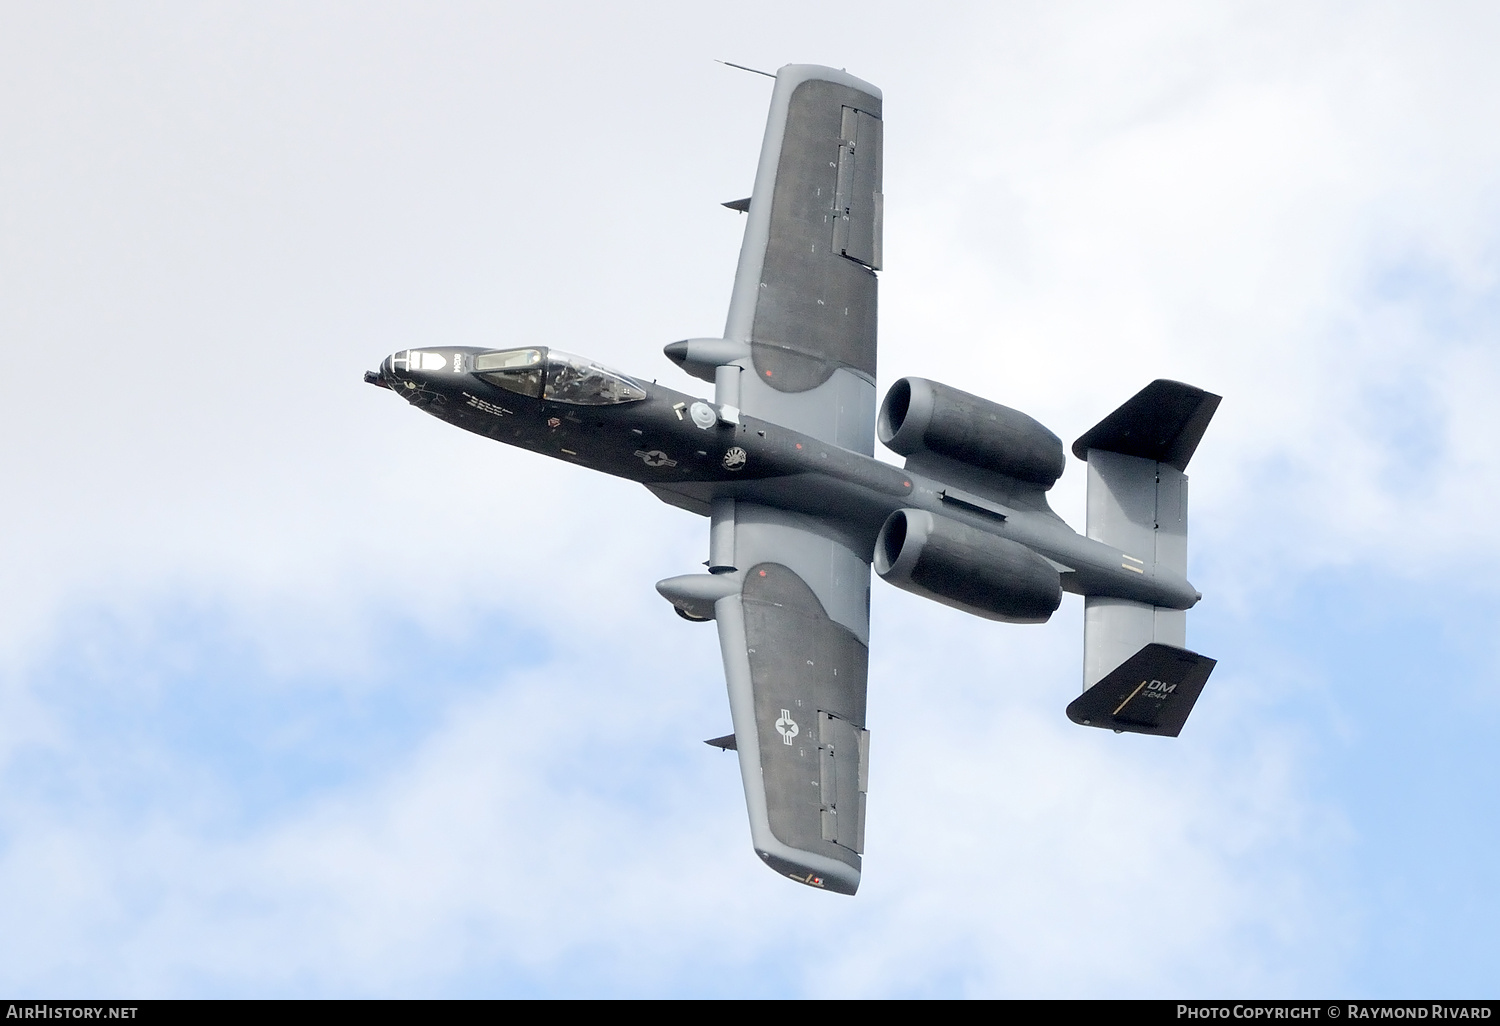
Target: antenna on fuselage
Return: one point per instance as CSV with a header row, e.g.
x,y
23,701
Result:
x,y
755,71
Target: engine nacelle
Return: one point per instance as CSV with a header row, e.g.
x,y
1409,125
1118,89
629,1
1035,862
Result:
x,y
920,415
965,568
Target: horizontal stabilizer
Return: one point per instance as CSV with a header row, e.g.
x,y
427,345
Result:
x,y
1163,422
742,205
1152,692
727,743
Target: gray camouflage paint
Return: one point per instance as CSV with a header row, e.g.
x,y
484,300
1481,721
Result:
x,y
781,462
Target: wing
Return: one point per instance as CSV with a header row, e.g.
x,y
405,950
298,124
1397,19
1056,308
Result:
x,y
795,637
805,291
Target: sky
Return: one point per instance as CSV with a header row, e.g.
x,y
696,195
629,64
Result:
x,y
306,694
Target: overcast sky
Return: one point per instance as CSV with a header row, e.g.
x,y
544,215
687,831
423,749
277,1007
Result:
x,y
305,693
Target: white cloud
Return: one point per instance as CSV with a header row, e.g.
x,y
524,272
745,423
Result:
x,y
559,829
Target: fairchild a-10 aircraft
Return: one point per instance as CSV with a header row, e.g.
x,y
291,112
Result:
x,y
781,463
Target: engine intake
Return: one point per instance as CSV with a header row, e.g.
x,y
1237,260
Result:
x,y
920,415
968,569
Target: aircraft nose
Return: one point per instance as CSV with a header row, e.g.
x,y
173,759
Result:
x,y
393,373
411,372
386,376
403,370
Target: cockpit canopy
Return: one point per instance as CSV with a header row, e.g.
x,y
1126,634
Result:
x,y
556,376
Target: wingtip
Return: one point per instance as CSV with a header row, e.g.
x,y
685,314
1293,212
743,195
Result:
x,y
838,878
